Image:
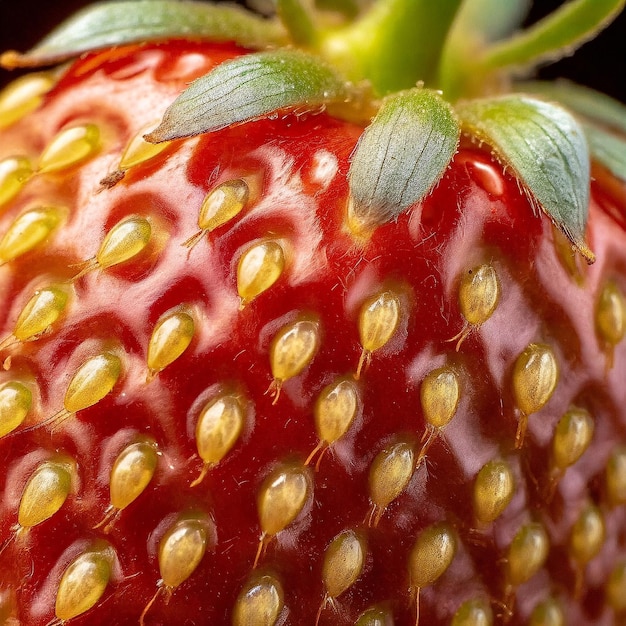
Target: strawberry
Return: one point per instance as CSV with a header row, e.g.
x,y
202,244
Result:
x,y
291,340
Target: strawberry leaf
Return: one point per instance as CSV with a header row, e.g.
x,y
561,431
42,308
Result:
x,y
117,23
477,24
546,148
491,19
249,88
401,156
555,36
584,101
597,112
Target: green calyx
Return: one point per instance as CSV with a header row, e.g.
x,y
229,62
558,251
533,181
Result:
x,y
124,22
457,46
410,144
546,148
408,59
250,87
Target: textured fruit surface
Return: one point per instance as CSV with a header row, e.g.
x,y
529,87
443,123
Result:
x,y
246,521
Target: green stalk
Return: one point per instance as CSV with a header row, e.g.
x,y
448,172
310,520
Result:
x,y
556,36
396,44
298,22
478,23
478,60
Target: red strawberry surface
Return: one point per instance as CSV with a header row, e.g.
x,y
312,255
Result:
x,y
356,390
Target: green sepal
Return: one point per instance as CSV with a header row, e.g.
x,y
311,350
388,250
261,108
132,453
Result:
x,y
607,149
124,22
581,100
490,20
476,24
249,88
555,36
597,113
401,156
546,149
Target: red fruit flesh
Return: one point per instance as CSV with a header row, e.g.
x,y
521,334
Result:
x,y
296,169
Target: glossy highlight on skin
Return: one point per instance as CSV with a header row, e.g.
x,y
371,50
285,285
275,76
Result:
x,y
387,440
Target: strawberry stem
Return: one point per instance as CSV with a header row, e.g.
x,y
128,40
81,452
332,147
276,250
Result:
x,y
463,46
298,22
381,45
477,24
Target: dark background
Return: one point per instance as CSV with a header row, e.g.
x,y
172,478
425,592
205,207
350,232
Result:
x,y
600,64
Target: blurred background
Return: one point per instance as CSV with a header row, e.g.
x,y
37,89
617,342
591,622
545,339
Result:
x,y
600,64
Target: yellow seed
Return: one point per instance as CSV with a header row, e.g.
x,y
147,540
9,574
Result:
x,y
375,617
616,476
473,613
335,410
170,338
41,311
260,602
181,550
534,377
132,472
439,395
611,314
282,496
587,536
616,588
219,427
15,402
70,147
259,268
138,150
293,348
572,437
83,582
343,563
14,172
527,553
390,473
432,554
378,320
22,96
45,492
28,231
220,205
223,203
493,489
547,613
93,380
479,293
124,241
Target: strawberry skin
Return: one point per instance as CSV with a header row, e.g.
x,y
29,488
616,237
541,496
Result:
x,y
248,534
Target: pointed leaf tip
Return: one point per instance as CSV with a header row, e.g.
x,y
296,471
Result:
x,y
401,156
546,148
248,88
